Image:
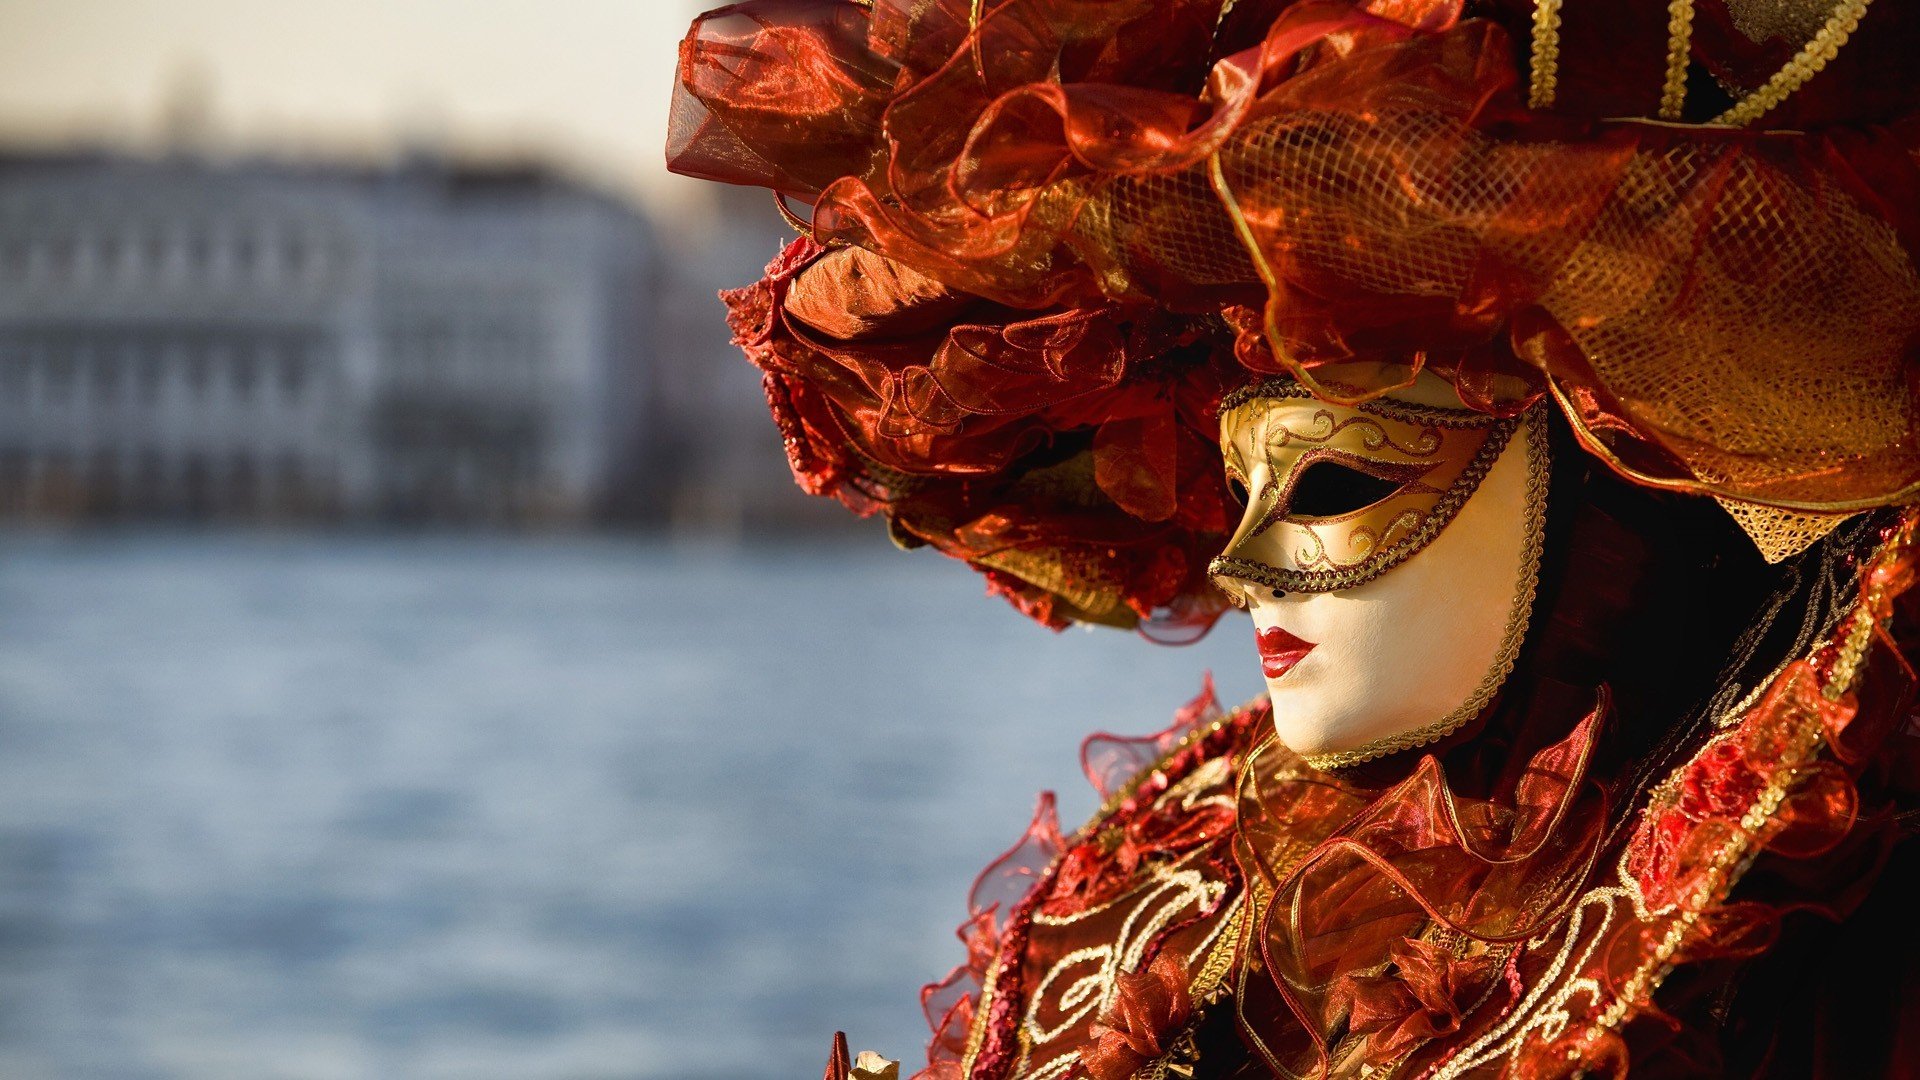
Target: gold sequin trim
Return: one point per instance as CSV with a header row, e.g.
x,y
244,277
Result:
x,y
1673,96
977,1033
1856,636
1537,477
1546,54
1812,58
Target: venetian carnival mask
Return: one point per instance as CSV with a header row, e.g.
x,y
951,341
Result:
x,y
1389,555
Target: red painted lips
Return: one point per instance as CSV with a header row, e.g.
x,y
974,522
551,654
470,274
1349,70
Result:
x,y
1280,651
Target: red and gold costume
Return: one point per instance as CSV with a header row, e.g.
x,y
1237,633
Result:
x,y
1050,239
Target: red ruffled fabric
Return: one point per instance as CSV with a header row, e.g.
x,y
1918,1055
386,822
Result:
x,y
1383,864
1002,899
1072,222
1068,454
1423,996
1044,871
1417,905
1149,1011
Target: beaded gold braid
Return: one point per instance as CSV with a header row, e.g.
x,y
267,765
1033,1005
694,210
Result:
x,y
1810,60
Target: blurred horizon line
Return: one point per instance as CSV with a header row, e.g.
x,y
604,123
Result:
x,y
363,151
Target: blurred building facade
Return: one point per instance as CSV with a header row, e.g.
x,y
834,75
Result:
x,y
258,340
723,454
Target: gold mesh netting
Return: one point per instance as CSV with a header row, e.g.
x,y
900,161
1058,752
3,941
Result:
x,y
1781,534
1712,317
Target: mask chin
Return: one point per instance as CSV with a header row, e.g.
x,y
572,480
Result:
x,y
1413,654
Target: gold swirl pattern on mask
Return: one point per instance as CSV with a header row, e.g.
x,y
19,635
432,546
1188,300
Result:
x,y
1363,540
1395,441
1375,437
1384,558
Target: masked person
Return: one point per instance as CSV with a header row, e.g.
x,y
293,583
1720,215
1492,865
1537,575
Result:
x,y
1540,379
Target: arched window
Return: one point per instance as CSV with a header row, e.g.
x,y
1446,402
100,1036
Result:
x,y
62,254
246,370
200,254
293,371
59,371
154,251
199,369
108,371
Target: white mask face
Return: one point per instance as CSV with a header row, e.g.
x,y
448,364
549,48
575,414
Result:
x,y
1389,556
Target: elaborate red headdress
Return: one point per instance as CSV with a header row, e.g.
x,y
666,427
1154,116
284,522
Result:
x,y
1048,234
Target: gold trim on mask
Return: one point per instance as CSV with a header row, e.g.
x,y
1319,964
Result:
x,y
1436,457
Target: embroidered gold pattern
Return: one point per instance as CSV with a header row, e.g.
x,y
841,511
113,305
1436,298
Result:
x,y
1545,1009
1220,950
1170,890
1190,794
1083,982
1557,1000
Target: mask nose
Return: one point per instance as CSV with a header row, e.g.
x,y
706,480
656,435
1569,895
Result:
x,y
1241,592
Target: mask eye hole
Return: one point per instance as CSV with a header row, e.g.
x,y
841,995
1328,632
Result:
x,y
1328,489
1237,490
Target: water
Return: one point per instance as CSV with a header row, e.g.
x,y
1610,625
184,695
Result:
x,y
299,809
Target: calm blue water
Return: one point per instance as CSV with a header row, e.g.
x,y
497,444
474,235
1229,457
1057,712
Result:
x,y
299,809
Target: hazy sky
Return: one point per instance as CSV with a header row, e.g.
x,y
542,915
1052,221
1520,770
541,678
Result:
x,y
583,80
